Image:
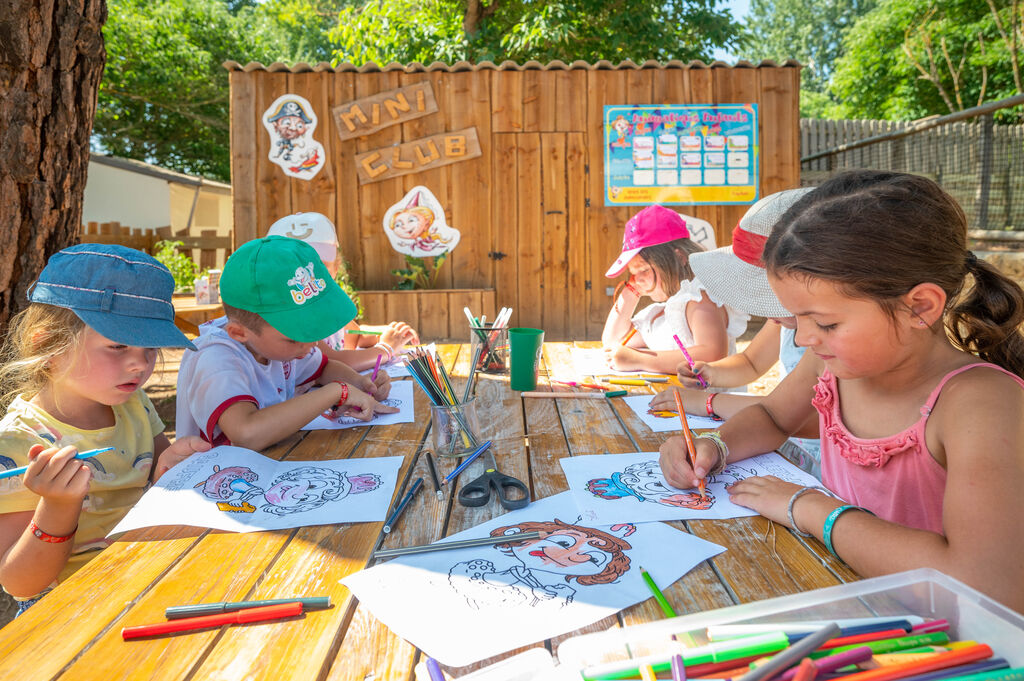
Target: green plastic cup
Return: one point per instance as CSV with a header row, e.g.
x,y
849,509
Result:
x,y
524,356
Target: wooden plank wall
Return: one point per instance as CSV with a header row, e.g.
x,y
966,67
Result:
x,y
207,249
530,208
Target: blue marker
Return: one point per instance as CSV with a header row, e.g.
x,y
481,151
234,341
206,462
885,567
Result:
x,y
81,455
389,523
462,466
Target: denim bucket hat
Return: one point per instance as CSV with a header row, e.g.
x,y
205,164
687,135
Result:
x,y
121,293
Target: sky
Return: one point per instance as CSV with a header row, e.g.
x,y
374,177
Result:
x,y
740,9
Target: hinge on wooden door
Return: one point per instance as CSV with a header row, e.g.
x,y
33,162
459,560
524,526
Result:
x,y
496,255
586,202
586,285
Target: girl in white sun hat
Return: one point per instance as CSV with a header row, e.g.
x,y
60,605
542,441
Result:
x,y
656,249
359,351
736,276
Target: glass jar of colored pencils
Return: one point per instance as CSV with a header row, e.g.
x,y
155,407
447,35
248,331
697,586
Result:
x,y
455,429
489,348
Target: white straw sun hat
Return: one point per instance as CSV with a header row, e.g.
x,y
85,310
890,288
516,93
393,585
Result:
x,y
737,277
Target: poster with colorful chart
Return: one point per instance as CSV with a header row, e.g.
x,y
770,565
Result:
x,y
690,154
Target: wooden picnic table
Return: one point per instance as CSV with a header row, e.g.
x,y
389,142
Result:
x,y
188,314
75,631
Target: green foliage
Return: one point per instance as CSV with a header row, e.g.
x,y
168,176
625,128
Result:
x,y
436,30
419,273
344,280
879,74
182,267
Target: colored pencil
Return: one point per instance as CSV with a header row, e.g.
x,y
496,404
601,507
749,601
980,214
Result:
x,y
434,477
691,448
362,332
396,514
689,360
452,545
434,670
628,336
469,459
647,674
81,455
666,607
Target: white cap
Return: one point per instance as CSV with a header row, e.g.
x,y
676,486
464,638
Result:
x,y
313,228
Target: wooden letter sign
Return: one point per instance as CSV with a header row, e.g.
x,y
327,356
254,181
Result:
x,y
422,154
364,116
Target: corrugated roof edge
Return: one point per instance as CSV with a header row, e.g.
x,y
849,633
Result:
x,y
556,65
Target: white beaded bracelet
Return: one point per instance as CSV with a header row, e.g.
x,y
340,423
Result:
x,y
792,502
387,348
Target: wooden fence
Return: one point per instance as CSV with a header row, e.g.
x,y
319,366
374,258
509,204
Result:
x,y
207,249
530,206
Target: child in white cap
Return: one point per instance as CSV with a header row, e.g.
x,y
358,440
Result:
x,y
360,351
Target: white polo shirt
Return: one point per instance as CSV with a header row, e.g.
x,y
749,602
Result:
x,y
222,372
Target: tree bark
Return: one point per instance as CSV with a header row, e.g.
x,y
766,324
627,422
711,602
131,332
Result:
x,y
51,61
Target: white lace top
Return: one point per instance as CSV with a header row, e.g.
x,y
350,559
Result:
x,y
657,322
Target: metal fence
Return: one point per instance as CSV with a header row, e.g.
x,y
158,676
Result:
x,y
979,162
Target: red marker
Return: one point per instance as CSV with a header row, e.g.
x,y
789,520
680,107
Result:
x,y
269,612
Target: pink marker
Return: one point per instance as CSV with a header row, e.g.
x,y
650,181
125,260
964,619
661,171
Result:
x,y
689,360
376,368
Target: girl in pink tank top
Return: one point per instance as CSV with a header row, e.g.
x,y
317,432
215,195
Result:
x,y
922,444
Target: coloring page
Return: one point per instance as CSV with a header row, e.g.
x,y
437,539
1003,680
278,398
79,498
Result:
x,y
590,362
238,490
400,396
665,421
290,121
468,604
616,488
394,369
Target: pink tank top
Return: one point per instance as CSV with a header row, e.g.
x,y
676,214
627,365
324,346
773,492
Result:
x,y
894,477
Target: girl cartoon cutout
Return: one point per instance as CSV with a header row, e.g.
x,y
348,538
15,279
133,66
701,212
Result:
x,y
416,225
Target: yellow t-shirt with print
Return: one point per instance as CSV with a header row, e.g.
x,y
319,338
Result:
x,y
119,477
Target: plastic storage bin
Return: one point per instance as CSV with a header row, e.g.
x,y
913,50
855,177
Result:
x,y
924,593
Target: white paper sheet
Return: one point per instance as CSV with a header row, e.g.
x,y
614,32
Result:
x,y
400,396
589,362
617,488
395,369
238,490
641,405
465,605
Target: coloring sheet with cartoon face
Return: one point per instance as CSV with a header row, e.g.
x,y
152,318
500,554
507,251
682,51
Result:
x,y
395,369
238,490
465,605
664,421
617,488
400,396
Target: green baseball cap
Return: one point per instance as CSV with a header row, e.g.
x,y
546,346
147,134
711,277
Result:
x,y
284,281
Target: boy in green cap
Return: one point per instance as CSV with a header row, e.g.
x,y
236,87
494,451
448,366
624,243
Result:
x,y
245,383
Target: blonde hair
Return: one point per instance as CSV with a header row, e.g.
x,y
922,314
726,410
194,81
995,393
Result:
x,y
36,335
423,211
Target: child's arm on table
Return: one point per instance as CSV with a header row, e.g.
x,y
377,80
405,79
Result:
x,y
28,565
393,338
620,317
378,388
167,455
396,334
759,428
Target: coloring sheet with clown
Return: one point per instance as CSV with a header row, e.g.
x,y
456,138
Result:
x,y
492,599
400,397
664,420
238,490
616,488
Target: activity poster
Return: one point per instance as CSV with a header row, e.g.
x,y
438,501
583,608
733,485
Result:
x,y
616,488
492,599
688,154
238,490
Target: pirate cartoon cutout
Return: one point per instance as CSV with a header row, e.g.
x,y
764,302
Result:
x,y
416,225
290,121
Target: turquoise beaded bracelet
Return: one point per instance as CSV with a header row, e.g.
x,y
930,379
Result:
x,y
830,521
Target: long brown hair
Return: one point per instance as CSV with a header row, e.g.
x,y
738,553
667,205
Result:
x,y
670,262
879,234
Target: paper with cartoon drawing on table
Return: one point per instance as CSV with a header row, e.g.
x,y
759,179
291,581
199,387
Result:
x,y
588,362
617,488
492,599
664,421
400,396
238,490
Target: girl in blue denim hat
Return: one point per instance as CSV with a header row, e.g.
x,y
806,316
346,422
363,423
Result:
x,y
74,365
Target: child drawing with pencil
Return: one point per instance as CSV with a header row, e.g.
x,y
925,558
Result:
x,y
656,249
357,345
914,377
249,382
75,362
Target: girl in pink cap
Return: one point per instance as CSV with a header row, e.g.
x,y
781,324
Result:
x,y
656,247
913,375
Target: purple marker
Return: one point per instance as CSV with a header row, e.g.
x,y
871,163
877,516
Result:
x,y
434,669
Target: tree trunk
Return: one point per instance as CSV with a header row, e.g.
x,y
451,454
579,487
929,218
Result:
x,y
51,61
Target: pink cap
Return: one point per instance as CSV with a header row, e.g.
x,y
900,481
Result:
x,y
652,226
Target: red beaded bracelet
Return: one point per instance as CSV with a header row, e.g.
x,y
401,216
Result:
x,y
49,538
711,409
344,395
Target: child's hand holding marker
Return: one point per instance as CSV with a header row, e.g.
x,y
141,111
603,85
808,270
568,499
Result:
x,y
676,467
379,387
692,376
360,405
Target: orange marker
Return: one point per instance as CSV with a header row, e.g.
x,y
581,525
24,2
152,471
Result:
x,y
632,332
691,448
806,671
938,661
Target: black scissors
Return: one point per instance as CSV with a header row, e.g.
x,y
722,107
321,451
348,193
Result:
x,y
478,491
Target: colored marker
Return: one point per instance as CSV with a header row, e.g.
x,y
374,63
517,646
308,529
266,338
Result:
x,y
469,459
376,368
452,545
647,674
362,332
628,336
932,663
831,663
689,360
627,381
720,632
81,455
390,522
678,668
792,655
691,448
178,612
434,477
891,645
806,670
992,669
434,670
666,607
588,396
270,612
